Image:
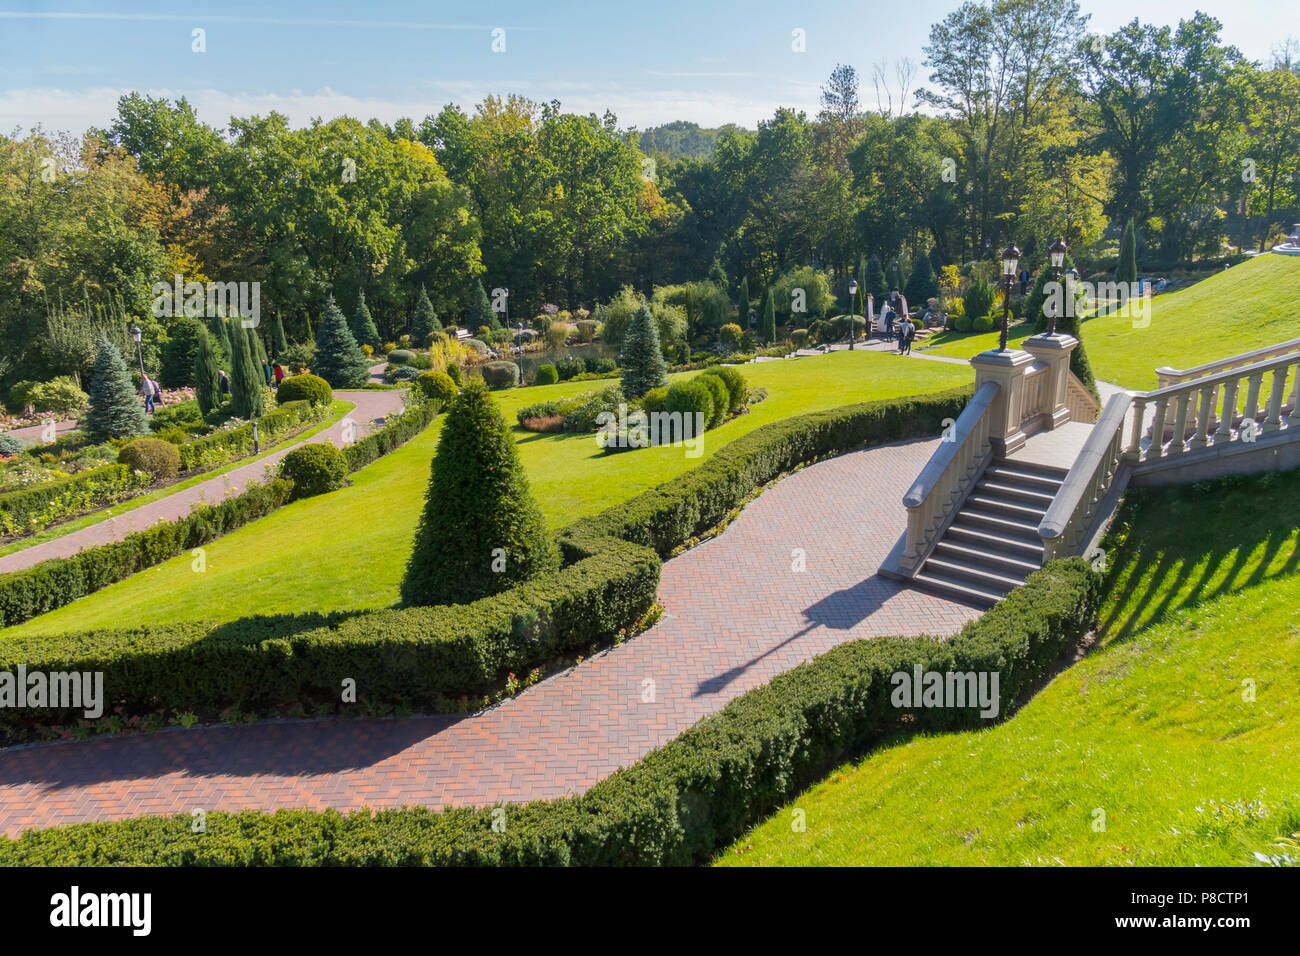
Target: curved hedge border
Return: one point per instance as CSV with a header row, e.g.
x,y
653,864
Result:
x,y
676,806
52,584
223,446
29,510
420,656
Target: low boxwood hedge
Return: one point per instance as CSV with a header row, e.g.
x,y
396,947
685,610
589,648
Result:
x,y
676,806
29,510
220,447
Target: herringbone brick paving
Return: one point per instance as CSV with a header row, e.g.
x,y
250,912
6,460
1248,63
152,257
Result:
x,y
738,612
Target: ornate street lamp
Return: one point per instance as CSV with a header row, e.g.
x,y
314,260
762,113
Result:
x,y
853,291
1010,262
1058,249
136,335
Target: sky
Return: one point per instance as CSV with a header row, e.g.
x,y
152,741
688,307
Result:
x,y
64,64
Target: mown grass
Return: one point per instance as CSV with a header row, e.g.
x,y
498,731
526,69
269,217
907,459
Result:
x,y
1157,728
1248,306
348,550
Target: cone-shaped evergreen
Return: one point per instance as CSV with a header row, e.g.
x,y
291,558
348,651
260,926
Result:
x,y
480,310
643,362
207,388
339,359
1127,269
481,531
363,325
875,281
859,303
424,322
245,378
767,318
116,407
278,342
921,285
742,305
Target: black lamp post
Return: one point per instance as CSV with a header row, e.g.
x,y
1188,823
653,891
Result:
x,y
1058,249
853,292
136,336
1010,262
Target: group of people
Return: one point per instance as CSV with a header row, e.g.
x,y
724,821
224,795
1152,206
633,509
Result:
x,y
272,372
896,322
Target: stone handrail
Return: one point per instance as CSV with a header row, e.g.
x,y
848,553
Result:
x,y
1072,511
1194,405
954,466
1081,403
1169,376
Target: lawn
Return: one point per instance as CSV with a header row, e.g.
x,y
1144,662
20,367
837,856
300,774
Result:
x,y
1250,305
1154,728
348,549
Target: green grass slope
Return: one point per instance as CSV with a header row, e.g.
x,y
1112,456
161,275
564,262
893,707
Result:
x,y
347,550
1183,728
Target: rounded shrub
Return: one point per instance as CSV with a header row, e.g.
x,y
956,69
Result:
x,y
160,460
401,373
401,357
501,374
570,366
821,331
9,446
305,388
456,375
799,337
314,469
690,398
721,398
961,323
481,532
983,323
546,375
653,400
478,345
437,386
737,387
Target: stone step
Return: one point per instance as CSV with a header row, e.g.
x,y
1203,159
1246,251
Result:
x,y
996,541
1000,524
1018,494
966,592
990,504
1002,581
1025,479
985,558
1029,468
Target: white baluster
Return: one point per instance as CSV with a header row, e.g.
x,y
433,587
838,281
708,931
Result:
x,y
1201,439
1178,445
1224,433
1273,421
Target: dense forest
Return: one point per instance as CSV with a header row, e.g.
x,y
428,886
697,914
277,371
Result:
x,y
1028,128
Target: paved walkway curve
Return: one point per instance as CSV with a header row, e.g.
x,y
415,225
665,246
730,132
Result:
x,y
370,408
737,614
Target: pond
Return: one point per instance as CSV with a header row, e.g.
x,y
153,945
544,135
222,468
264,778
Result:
x,y
529,361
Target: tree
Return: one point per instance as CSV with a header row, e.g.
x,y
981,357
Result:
x,y
876,280
207,386
246,381
480,311
279,344
481,532
1127,268
339,359
742,304
921,285
363,326
643,362
116,409
424,321
767,317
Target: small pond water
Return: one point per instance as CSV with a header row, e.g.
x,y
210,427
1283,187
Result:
x,y
529,361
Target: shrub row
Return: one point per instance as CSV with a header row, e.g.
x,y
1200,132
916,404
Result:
x,y
676,806
29,510
220,447
54,583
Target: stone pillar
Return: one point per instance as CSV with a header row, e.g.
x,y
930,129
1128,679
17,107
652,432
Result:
x,y
1007,369
1054,351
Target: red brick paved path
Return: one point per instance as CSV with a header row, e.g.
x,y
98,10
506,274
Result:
x,y
370,406
736,616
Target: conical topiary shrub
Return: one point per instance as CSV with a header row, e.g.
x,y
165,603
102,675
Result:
x,y
339,359
363,325
245,377
767,318
480,311
207,387
481,531
643,360
424,322
116,408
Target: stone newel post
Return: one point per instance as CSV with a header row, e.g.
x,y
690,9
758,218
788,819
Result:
x,y
1054,352
1044,355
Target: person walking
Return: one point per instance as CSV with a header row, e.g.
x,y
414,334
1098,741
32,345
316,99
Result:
x,y
149,389
277,371
908,333
890,317
224,382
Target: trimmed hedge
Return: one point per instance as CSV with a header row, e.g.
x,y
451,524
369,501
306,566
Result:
x,y
500,374
29,510
676,806
156,458
314,469
413,655
304,388
59,581
220,447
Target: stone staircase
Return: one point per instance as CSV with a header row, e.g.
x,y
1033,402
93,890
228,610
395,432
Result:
x,y
993,543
